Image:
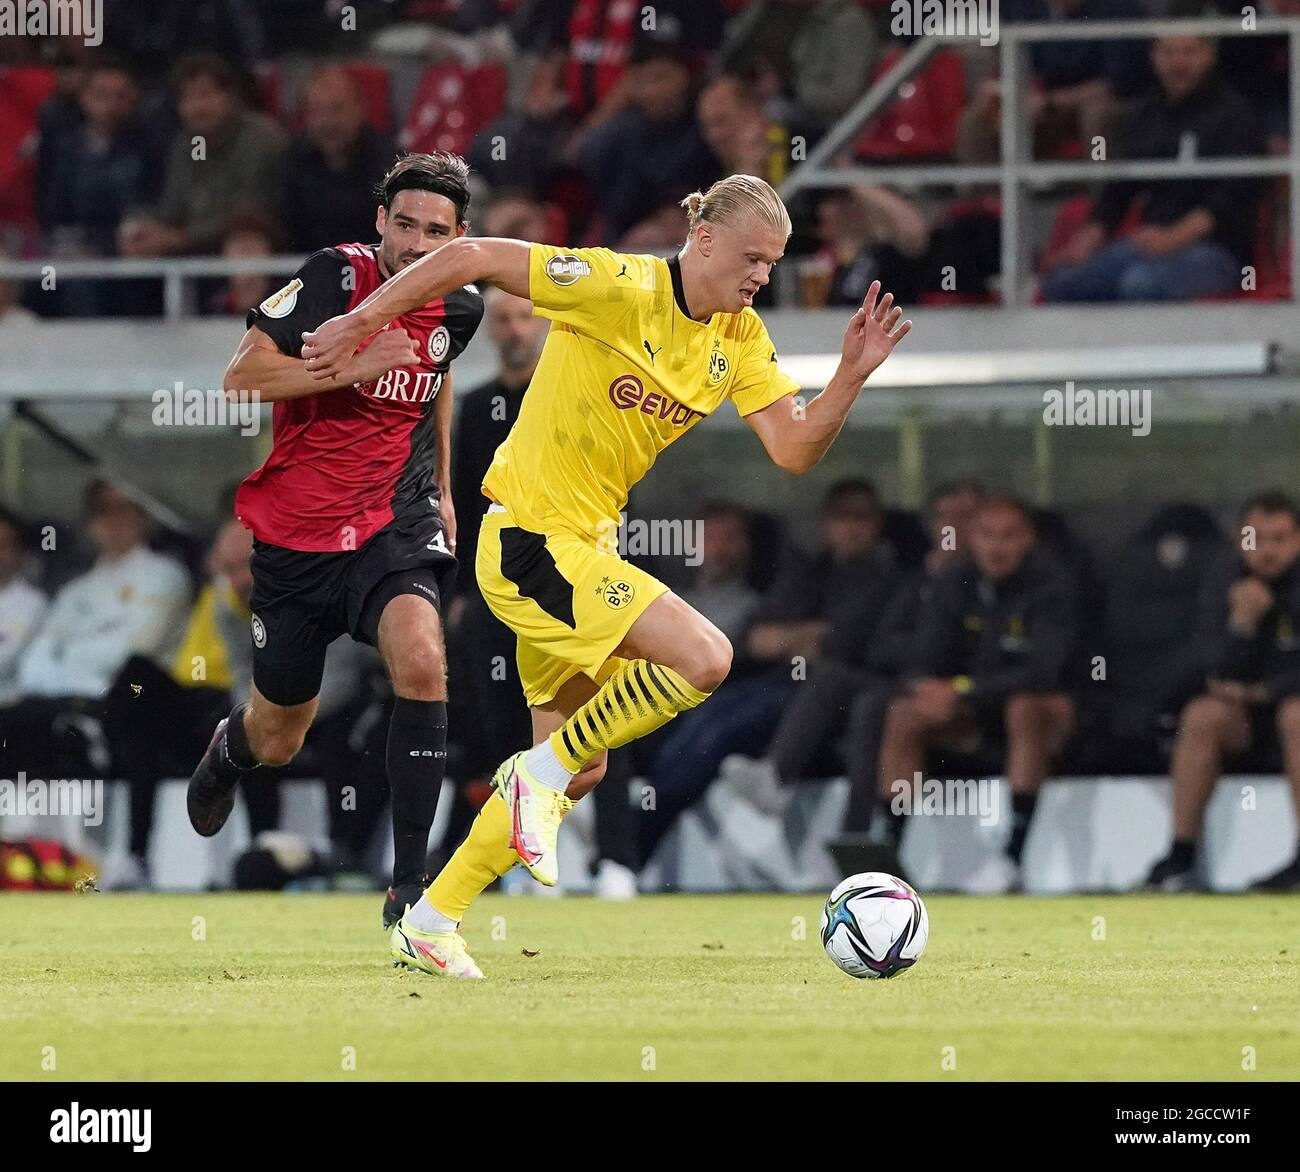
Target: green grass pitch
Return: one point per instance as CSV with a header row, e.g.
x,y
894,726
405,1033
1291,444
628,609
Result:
x,y
668,987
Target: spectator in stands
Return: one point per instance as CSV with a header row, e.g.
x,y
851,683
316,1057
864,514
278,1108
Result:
x,y
721,588
1077,88
867,234
226,161
738,131
130,602
1155,591
98,169
59,113
154,33
663,232
601,40
1252,689
988,666
157,719
810,599
101,167
815,718
518,217
952,510
329,171
1256,66
651,152
247,236
484,417
1195,234
523,148
831,46
22,606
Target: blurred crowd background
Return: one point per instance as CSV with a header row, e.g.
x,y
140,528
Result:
x,y
585,122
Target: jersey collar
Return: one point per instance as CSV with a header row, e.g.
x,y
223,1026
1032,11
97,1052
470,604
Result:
x,y
679,294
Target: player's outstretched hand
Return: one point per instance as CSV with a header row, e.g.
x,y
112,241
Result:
x,y
872,333
329,347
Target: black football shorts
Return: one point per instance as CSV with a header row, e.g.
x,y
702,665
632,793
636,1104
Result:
x,y
302,602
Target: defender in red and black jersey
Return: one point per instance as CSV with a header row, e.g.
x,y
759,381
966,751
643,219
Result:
x,y
346,465
352,514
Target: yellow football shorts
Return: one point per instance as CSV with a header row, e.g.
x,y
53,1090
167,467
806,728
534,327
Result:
x,y
569,603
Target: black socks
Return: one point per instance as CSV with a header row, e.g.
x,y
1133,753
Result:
x,y
416,757
1182,852
1022,810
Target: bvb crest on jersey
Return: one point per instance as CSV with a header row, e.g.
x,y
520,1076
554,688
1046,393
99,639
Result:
x,y
616,594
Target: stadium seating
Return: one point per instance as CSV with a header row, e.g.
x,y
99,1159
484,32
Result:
x,y
921,123
452,103
23,91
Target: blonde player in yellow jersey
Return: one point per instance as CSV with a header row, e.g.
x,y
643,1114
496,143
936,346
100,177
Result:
x,y
640,350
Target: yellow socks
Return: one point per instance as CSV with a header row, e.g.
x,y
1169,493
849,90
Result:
x,y
486,854
637,699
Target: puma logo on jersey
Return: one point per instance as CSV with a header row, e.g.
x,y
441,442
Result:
x,y
651,351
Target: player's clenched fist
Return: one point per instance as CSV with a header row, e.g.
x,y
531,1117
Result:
x,y
872,333
329,347
388,350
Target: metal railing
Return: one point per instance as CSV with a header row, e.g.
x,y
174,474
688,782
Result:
x,y
1017,174
175,272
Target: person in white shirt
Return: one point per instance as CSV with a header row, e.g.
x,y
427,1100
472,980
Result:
x,y
132,601
22,606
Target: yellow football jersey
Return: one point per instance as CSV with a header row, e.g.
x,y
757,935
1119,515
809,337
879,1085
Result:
x,y
623,374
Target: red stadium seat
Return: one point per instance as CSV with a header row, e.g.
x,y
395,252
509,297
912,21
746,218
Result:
x,y
958,216
452,103
1272,259
922,120
1070,217
376,88
23,90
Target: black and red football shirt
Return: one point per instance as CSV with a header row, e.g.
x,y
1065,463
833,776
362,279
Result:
x,y
346,462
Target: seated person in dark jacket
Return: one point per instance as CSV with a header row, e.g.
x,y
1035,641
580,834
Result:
x,y
988,662
810,598
807,738
952,508
1195,234
1252,693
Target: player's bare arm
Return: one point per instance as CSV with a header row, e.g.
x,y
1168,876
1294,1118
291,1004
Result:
x,y
796,440
259,366
465,261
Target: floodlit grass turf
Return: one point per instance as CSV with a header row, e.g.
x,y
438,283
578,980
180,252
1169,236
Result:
x,y
717,987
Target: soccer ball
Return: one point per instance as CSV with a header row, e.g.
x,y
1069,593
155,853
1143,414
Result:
x,y
874,925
